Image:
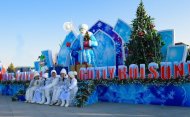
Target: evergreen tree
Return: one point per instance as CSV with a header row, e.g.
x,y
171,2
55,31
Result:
x,y
11,68
145,44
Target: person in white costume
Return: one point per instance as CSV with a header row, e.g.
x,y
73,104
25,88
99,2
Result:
x,y
32,87
39,92
68,94
49,88
63,82
46,83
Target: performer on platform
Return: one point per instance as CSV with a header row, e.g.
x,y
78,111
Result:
x,y
32,87
49,88
68,93
83,47
39,92
63,82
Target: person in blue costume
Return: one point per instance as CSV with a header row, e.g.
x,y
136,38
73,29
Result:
x,y
82,50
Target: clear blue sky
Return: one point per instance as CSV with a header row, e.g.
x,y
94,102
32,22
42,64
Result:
x,y
29,26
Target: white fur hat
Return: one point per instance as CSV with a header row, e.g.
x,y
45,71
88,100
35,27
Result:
x,y
83,26
45,75
63,71
72,74
36,74
53,71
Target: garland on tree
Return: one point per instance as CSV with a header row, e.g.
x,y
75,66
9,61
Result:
x,y
86,88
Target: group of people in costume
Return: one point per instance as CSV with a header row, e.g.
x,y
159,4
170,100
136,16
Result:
x,y
57,90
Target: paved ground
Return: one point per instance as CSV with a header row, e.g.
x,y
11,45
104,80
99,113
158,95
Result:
x,y
21,109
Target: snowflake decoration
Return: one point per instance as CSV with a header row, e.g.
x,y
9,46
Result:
x,y
172,93
163,96
99,24
162,89
170,96
93,30
107,28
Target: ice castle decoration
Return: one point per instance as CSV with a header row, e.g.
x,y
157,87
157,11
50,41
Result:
x,y
110,51
64,55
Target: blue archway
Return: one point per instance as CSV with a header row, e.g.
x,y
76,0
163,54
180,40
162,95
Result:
x,y
117,39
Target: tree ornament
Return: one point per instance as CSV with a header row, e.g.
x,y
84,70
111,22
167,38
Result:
x,y
141,34
68,44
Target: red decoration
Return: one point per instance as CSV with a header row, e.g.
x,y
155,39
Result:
x,y
1,76
86,43
122,72
68,44
77,63
141,34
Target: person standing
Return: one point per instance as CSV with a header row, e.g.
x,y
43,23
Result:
x,y
82,50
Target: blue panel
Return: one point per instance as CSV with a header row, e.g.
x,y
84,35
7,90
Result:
x,y
144,94
177,53
168,38
37,65
124,30
11,90
64,53
48,57
93,98
105,52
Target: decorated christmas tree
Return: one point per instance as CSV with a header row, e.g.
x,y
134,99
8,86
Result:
x,y
145,44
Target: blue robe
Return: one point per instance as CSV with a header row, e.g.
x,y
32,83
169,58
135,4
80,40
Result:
x,y
82,54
